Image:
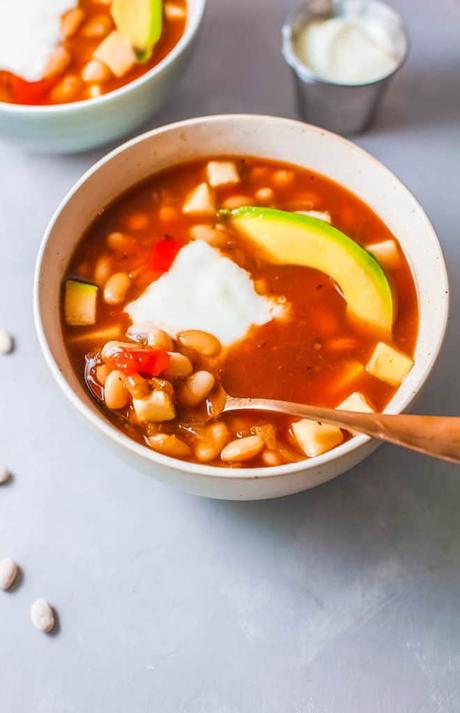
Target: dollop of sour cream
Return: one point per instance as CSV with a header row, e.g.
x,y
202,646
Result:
x,y
204,290
346,50
29,31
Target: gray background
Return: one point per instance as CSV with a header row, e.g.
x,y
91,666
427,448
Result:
x,y
339,600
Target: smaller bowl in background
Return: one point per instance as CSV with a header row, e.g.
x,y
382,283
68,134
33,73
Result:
x,y
343,108
78,126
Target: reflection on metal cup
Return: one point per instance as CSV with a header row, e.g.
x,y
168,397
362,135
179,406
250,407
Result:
x,y
343,108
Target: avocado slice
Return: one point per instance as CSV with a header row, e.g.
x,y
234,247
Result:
x,y
141,22
80,302
292,239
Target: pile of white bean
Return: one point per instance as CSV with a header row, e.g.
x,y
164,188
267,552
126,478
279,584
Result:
x,y
182,387
41,613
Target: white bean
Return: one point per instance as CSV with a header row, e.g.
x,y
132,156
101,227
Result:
x,y
242,449
160,339
174,12
116,287
179,366
212,442
66,89
265,195
42,616
102,372
169,445
97,27
71,21
237,202
283,178
95,71
8,573
113,346
116,395
202,342
6,342
103,269
195,388
5,475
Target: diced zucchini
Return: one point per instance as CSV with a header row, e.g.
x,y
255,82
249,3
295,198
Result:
x,y
80,303
316,438
386,253
200,201
222,173
156,407
320,214
356,402
117,53
388,364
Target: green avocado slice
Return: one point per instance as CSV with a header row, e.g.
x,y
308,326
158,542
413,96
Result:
x,y
292,239
141,22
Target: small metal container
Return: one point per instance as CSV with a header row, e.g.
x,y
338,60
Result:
x,y
343,108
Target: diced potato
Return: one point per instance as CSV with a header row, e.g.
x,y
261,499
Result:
x,y
116,52
316,438
200,201
320,214
356,402
156,407
222,173
389,364
386,253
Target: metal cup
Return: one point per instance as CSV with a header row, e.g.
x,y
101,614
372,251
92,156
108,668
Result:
x,y
343,108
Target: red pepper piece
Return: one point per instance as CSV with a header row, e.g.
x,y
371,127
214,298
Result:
x,y
29,92
164,253
140,361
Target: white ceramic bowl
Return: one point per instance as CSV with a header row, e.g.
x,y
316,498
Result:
x,y
77,126
270,137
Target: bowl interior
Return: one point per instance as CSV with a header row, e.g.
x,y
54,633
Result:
x,y
269,137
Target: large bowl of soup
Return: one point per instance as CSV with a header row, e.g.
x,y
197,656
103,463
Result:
x,y
75,74
248,255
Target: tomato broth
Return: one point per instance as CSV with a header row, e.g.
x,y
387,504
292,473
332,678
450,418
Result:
x,y
311,353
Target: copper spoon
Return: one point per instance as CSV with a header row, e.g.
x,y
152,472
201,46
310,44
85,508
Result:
x,y
437,436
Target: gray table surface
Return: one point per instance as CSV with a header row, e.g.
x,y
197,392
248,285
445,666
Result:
x,y
339,600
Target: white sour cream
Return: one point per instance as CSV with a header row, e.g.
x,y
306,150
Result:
x,y
202,290
29,31
346,50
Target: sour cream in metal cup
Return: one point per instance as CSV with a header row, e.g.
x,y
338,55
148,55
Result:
x,y
343,54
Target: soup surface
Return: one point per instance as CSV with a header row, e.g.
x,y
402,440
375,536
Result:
x,y
88,56
170,300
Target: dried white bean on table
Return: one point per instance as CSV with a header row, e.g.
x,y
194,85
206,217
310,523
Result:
x,y
8,573
5,475
42,616
6,342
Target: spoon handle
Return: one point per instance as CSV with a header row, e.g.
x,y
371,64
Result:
x,y
437,436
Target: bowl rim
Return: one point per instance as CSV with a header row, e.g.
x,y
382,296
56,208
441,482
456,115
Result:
x,y
104,426
69,107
